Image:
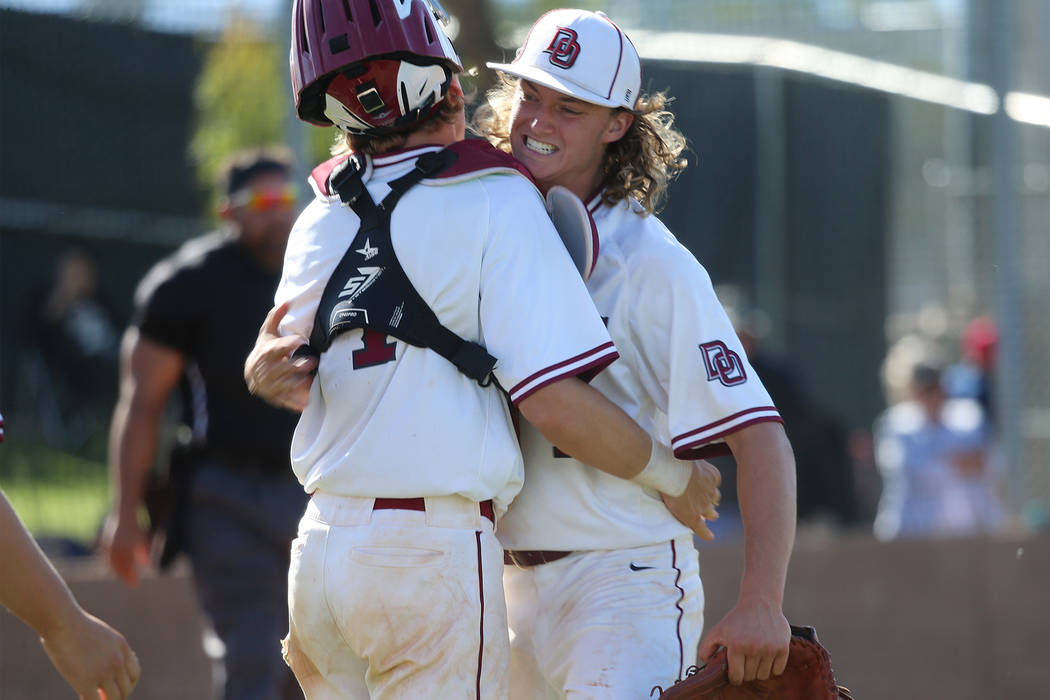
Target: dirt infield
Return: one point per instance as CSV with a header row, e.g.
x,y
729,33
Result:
x,y
960,619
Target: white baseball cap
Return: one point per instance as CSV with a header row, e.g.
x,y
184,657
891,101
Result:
x,y
582,54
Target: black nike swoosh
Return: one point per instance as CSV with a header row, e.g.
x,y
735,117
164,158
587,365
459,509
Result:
x,y
635,567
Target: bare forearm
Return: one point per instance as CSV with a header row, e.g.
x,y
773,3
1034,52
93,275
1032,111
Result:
x,y
132,448
30,586
766,491
93,657
581,422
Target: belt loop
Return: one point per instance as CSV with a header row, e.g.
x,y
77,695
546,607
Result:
x,y
456,511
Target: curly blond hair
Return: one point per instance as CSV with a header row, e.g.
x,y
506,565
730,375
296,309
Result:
x,y
640,165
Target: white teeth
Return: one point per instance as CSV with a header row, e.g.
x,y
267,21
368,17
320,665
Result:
x,y
539,146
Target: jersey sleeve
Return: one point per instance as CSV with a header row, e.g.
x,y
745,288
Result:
x,y
536,314
695,363
166,306
315,246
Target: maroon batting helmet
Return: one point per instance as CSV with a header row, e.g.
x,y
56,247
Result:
x,y
370,66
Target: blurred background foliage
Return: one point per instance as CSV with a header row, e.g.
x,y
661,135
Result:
x,y
237,98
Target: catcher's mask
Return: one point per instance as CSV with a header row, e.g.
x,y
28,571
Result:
x,y
370,66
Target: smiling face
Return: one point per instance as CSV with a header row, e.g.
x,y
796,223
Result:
x,y
561,139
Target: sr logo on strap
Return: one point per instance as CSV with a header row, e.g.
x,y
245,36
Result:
x,y
369,288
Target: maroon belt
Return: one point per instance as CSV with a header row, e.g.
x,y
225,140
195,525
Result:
x,y
420,504
531,557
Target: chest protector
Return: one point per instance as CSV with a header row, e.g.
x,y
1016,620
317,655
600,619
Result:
x,y
369,288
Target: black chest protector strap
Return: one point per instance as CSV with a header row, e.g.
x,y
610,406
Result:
x,y
369,288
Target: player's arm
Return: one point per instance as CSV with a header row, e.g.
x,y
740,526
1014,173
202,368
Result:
x,y
312,254
581,421
149,372
270,370
88,653
572,415
755,632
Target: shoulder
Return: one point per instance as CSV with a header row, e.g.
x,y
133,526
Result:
x,y
485,179
654,257
642,236
466,160
187,264
202,251
475,158
476,169
901,419
321,175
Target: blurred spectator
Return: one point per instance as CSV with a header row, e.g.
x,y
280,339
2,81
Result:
x,y
823,466
71,357
235,502
932,453
972,377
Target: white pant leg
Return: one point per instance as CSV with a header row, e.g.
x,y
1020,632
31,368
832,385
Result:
x,y
397,604
596,628
523,613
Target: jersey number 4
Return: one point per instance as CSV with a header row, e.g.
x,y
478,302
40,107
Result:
x,y
377,350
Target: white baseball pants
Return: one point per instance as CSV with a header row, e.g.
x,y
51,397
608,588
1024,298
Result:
x,y
397,604
608,624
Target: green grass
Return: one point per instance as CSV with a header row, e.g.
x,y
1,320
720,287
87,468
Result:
x,y
56,494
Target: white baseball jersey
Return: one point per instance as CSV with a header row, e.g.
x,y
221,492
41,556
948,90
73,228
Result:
x,y
683,376
387,419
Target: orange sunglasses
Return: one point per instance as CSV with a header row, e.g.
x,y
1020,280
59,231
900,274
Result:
x,y
266,199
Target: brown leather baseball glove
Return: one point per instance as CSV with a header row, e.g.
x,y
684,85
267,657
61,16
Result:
x,y
808,676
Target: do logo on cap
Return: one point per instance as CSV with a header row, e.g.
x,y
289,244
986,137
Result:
x,y
564,48
608,73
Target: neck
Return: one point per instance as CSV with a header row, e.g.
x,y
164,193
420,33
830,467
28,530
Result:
x,y
267,258
442,134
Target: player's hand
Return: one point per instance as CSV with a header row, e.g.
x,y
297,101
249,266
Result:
x,y
93,657
126,546
272,373
700,500
756,636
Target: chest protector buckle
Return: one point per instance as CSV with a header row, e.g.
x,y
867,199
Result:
x,y
369,288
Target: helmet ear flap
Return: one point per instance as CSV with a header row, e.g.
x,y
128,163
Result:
x,y
419,91
339,112
386,95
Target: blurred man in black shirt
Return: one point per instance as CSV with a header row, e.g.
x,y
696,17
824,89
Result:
x,y
197,314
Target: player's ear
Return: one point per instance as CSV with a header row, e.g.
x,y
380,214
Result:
x,y
454,88
619,122
224,209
